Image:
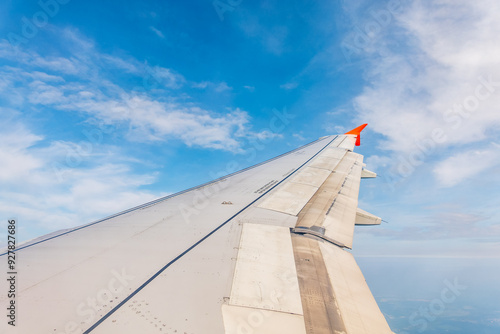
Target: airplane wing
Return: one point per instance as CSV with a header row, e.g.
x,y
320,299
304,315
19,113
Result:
x,y
263,250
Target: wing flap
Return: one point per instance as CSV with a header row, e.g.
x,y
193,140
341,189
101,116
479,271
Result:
x,y
366,218
294,195
358,308
339,222
368,174
334,205
321,311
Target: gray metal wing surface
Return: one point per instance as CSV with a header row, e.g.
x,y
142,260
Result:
x,y
263,250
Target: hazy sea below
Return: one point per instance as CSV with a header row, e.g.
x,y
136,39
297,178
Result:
x,y
436,295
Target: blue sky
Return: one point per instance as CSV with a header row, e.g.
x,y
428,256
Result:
x,y
108,105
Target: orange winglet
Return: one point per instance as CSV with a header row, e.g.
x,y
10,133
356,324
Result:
x,y
357,132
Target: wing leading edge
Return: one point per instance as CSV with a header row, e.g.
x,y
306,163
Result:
x,y
262,250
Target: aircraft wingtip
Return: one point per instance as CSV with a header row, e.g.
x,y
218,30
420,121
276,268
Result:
x,y
357,132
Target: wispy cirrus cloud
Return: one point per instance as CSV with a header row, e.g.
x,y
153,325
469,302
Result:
x,y
289,86
218,87
157,32
150,111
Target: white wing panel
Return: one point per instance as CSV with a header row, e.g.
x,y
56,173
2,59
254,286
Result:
x,y
329,160
240,320
311,176
348,143
333,152
290,198
265,276
339,222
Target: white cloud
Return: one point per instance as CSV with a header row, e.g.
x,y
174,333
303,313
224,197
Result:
x,y
266,135
201,85
439,73
58,64
44,202
299,136
165,77
42,93
466,165
43,77
415,89
221,87
128,65
17,164
377,163
218,87
289,85
157,32
147,113
152,120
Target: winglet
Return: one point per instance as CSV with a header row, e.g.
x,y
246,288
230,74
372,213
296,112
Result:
x,y
357,132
